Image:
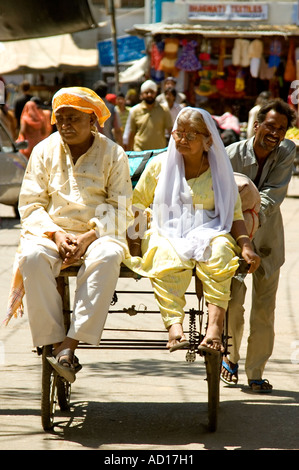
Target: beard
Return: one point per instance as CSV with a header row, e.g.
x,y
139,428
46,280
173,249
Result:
x,y
149,99
269,145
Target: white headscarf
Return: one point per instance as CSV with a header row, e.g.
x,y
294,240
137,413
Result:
x,y
190,229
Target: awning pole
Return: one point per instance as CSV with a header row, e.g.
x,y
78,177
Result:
x,y
111,11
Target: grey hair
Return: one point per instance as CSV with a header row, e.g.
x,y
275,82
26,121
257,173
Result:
x,y
193,117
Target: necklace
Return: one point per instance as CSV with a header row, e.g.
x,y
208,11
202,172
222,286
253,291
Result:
x,y
195,177
199,170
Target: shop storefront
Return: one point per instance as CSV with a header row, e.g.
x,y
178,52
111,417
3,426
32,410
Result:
x,y
224,62
221,68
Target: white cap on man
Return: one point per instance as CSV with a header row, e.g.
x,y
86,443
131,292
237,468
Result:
x,y
149,85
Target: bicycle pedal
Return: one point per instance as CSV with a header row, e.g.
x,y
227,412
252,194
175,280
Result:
x,y
190,356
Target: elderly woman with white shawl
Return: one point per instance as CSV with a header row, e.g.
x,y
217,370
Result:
x,y
197,222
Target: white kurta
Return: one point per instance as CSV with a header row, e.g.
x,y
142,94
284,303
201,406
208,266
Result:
x,y
59,195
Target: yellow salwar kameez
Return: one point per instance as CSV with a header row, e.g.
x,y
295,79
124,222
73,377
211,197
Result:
x,y
169,274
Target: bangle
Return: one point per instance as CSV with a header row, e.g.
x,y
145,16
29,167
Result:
x,y
241,236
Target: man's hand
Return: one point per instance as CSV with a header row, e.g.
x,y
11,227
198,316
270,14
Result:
x,y
73,247
251,258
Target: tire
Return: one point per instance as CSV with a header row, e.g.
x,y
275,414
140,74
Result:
x,y
63,394
213,362
48,392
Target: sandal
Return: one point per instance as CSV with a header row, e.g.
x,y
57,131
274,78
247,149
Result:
x,y
77,365
176,338
204,346
233,372
184,344
260,386
64,367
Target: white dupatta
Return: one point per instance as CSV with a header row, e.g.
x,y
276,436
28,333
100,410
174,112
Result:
x,y
190,230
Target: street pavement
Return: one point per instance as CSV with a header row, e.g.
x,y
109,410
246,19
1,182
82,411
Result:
x,y
132,400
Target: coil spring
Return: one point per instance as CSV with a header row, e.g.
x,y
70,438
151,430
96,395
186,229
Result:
x,y
192,328
195,337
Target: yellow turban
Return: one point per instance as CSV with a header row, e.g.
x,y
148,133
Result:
x,y
82,99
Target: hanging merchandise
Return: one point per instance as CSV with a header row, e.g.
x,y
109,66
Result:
x,y
240,81
230,90
168,63
220,65
207,84
266,72
157,52
188,60
240,53
207,72
290,69
205,51
255,53
275,53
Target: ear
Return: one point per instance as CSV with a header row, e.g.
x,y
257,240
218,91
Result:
x,y
207,143
93,119
255,126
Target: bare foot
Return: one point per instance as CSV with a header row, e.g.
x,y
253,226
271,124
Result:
x,y
175,335
214,331
212,343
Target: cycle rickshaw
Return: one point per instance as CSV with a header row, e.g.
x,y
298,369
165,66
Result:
x,y
57,391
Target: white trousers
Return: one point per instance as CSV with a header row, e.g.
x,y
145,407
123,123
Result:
x,y
95,284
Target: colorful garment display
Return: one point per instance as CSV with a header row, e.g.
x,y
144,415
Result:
x,y
168,62
188,60
157,53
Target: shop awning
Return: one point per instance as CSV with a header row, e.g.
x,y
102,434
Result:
x,y
21,19
44,54
135,72
210,31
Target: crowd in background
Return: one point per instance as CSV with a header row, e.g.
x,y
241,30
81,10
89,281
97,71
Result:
x,y
30,117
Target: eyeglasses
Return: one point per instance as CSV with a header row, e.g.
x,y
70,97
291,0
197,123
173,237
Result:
x,y
190,136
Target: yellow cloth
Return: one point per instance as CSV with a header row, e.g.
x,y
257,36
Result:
x,y
169,274
159,257
82,99
15,300
215,275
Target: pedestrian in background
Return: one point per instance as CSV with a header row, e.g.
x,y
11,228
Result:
x,y
22,100
252,115
171,103
122,109
148,121
170,82
112,128
35,126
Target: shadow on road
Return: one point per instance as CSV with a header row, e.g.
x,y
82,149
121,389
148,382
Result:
x,y
244,424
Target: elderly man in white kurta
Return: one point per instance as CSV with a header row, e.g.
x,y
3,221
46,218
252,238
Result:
x,y
74,205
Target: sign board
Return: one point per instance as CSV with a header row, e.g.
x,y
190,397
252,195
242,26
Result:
x,y
129,48
233,11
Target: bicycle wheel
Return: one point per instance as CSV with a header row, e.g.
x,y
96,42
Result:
x,y
48,392
213,362
63,394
